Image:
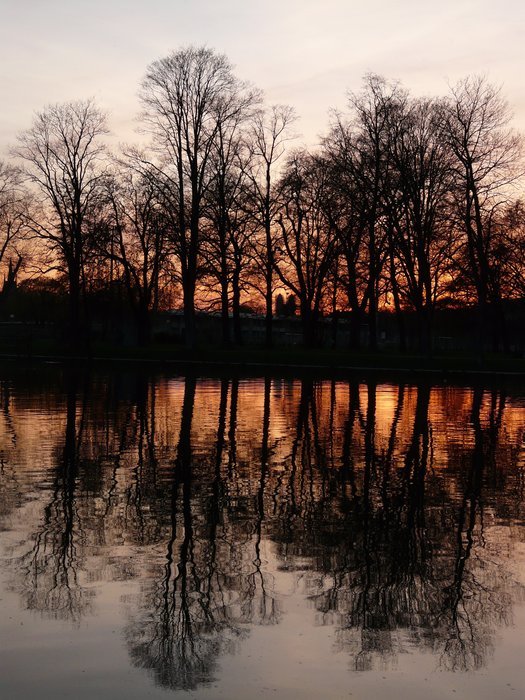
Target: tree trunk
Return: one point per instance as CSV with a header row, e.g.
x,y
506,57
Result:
x,y
143,326
75,324
269,270
269,309
225,311
397,305
372,321
236,306
309,325
425,330
189,314
356,318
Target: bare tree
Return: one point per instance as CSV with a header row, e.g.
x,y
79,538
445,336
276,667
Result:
x,y
418,198
13,207
183,95
63,154
139,244
371,109
269,134
307,240
228,172
475,125
510,250
348,217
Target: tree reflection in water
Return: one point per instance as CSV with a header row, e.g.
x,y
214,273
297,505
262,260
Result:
x,y
391,507
50,568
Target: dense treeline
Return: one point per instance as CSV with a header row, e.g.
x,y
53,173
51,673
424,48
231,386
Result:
x,y
410,204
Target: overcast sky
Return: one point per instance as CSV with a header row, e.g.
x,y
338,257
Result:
x,y
306,53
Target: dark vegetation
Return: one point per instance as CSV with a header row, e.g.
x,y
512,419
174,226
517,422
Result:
x,y
404,229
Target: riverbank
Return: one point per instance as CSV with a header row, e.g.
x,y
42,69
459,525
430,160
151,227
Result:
x,y
323,361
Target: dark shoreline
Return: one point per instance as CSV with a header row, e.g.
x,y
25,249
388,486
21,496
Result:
x,y
253,361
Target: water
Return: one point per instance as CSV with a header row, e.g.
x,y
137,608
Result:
x,y
230,538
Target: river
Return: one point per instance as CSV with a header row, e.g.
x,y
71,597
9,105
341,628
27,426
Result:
x,y
228,537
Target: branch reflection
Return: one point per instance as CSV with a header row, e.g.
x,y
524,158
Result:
x,y
394,509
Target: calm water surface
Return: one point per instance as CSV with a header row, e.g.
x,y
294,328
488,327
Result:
x,y
236,538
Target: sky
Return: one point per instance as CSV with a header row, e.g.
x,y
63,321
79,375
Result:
x,y
306,53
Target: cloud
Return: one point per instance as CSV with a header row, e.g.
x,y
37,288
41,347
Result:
x,y
304,52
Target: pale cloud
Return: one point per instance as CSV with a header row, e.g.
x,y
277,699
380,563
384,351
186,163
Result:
x,y
307,53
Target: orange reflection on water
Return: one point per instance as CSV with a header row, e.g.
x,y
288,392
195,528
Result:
x,y
393,513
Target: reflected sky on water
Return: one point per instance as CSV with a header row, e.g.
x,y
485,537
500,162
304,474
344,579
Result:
x,y
207,537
